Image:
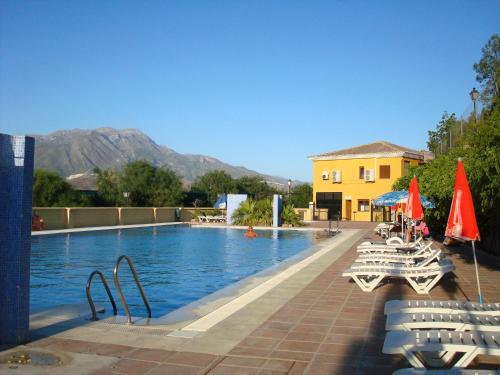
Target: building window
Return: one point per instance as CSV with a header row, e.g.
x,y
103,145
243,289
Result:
x,y
406,168
361,173
363,205
385,171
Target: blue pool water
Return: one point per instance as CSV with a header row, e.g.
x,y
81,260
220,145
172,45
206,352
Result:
x,y
176,264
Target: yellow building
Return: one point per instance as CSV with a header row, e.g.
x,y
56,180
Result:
x,y
346,181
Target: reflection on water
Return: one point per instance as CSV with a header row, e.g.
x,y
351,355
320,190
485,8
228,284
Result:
x,y
176,265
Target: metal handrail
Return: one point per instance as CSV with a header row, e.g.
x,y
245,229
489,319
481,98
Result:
x,y
89,297
138,283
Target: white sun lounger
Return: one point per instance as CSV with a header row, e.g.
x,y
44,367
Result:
x,y
435,256
393,241
456,322
444,307
394,249
421,279
396,257
451,371
417,345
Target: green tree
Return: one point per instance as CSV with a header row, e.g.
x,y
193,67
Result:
x,y
488,69
255,186
168,190
214,183
50,189
252,212
138,180
110,191
301,195
439,139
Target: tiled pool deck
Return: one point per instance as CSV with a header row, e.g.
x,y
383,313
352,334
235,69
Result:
x,y
328,326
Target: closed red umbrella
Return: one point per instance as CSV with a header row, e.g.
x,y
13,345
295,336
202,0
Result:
x,y
414,208
462,219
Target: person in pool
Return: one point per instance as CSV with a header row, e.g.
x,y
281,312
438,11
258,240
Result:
x,y
250,233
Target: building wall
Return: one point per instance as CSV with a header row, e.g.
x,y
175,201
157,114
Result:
x,y
353,187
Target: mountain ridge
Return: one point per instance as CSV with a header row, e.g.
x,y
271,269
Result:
x,y
78,151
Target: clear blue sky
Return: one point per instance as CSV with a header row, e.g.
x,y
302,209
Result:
x,y
262,84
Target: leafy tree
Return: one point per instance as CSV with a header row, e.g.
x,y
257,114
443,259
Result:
x,y
50,189
138,181
214,183
255,186
110,191
145,184
167,188
438,141
301,195
488,69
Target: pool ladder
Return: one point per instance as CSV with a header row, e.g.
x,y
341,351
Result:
x,y
118,288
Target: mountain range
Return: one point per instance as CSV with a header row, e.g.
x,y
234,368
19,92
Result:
x,y
75,153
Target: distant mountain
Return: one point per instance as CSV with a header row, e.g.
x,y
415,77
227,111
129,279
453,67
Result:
x,y
76,153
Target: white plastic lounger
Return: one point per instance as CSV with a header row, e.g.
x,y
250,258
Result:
x,y
444,307
421,279
396,257
435,256
416,345
456,322
451,371
393,241
394,249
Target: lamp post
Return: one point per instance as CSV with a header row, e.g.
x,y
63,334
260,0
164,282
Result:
x,y
289,185
474,94
126,194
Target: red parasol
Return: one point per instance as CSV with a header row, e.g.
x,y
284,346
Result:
x,y
414,208
462,219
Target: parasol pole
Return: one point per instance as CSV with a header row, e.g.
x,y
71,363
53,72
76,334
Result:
x,y
477,272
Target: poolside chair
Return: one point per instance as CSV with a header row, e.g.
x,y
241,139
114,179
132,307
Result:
x,y
389,241
451,371
392,257
456,322
403,261
394,244
395,249
422,279
443,307
416,345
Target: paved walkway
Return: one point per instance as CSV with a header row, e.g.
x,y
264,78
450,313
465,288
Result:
x,y
328,327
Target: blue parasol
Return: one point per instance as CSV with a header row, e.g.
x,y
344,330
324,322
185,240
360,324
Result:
x,y
394,197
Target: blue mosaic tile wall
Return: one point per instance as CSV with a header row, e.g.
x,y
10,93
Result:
x,y
16,180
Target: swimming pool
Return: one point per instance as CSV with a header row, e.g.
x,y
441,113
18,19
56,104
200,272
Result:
x,y
176,264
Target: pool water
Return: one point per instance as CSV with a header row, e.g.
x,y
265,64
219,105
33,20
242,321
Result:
x,y
176,264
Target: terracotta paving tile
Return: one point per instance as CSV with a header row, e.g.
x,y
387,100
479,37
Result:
x,y
243,362
170,369
155,355
298,368
252,352
132,367
336,338
298,346
338,349
192,359
113,350
312,328
277,364
259,342
306,336
321,368
269,333
272,372
233,370
295,356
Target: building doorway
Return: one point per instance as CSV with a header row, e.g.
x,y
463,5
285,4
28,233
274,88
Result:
x,y
331,201
348,210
